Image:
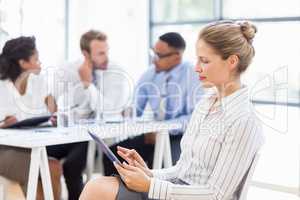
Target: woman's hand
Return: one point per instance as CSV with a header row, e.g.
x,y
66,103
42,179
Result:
x,y
134,178
53,119
51,104
134,159
9,120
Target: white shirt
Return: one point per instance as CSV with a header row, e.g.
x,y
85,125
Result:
x,y
217,150
110,90
31,104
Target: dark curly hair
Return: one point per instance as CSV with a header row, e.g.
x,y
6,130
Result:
x,y
13,51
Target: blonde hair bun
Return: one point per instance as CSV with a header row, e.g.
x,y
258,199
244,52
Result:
x,y
248,29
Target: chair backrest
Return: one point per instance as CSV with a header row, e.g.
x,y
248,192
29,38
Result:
x,y
244,185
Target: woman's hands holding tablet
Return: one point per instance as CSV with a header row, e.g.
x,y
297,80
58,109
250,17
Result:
x,y
133,177
136,174
133,158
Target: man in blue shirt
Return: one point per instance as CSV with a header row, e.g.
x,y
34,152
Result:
x,y
171,88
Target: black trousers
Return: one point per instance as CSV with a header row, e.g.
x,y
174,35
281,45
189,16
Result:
x,y
145,150
74,155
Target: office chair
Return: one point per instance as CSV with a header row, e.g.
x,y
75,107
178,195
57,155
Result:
x,y
245,183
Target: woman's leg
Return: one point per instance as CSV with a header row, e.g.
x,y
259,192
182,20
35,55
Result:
x,y
104,188
55,173
15,164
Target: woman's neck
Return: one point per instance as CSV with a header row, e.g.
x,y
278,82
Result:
x,y
228,88
21,83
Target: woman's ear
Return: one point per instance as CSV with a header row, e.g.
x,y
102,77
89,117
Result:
x,y
22,63
233,62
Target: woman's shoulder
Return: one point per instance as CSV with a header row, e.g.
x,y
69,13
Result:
x,y
3,83
248,120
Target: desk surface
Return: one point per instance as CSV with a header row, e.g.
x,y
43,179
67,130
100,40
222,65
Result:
x,y
29,138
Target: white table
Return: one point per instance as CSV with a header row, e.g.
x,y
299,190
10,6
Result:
x,y
38,139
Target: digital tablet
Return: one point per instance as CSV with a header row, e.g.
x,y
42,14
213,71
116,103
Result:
x,y
30,122
106,150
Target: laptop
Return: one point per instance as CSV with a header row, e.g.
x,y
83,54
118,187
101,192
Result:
x,y
105,149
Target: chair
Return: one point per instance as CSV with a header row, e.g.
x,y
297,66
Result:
x,y
245,183
90,165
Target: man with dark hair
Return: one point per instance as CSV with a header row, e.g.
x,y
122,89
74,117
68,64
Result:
x,y
174,40
171,88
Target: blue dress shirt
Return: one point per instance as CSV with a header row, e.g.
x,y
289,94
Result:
x,y
181,87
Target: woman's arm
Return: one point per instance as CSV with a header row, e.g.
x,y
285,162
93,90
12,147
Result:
x,y
51,104
9,120
238,149
166,173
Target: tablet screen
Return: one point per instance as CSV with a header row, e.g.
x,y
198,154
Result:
x,y
105,148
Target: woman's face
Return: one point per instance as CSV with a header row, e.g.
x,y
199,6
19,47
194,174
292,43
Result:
x,y
212,69
33,64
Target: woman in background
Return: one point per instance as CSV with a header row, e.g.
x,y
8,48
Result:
x,y
221,140
23,95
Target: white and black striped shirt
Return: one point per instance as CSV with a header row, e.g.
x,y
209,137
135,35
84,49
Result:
x,y
217,150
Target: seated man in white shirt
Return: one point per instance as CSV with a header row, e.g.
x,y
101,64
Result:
x,y
96,81
96,86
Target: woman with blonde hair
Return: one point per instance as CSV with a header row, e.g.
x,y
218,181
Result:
x,y
221,140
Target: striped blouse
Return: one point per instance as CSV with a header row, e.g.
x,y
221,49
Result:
x,y
217,150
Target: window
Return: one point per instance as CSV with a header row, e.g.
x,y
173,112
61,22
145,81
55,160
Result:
x,y
126,25
42,19
10,19
182,10
276,56
47,23
260,9
276,64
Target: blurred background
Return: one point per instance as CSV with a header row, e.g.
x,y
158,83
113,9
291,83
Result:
x,y
133,26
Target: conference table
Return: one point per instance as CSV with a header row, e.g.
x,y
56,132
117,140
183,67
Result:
x,y
37,139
